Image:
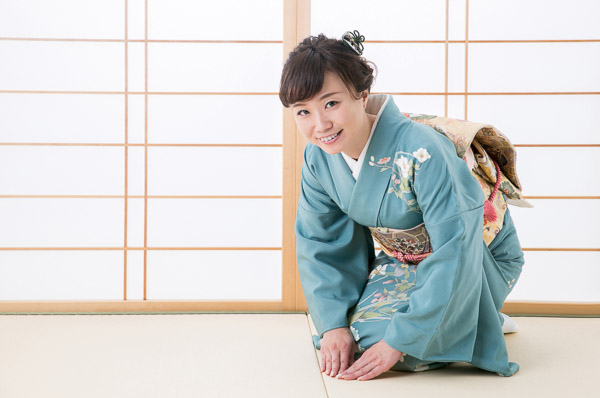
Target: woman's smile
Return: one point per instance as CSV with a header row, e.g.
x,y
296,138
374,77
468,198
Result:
x,y
331,138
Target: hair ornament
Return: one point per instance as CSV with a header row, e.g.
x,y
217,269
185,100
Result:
x,y
354,41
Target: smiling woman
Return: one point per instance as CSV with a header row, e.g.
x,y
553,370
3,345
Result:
x,y
434,293
333,119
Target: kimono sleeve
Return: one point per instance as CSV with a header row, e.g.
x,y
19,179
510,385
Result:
x,y
333,253
441,320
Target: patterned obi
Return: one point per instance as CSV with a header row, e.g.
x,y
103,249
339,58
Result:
x,y
407,245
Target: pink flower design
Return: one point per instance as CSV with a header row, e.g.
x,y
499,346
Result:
x,y
386,282
384,160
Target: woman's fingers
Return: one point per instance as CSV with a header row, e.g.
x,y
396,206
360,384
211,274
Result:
x,y
361,370
345,360
326,361
376,371
335,362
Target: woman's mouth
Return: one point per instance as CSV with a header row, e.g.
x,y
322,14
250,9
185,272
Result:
x,y
331,139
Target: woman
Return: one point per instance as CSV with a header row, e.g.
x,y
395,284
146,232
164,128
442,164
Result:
x,y
433,295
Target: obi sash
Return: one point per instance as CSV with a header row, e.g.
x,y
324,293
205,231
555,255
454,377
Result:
x,y
406,245
490,156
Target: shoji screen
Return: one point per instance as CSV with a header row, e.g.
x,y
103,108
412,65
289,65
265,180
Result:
x,y
141,152
530,68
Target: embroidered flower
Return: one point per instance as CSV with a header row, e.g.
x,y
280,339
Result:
x,y
403,167
402,163
380,270
354,333
421,154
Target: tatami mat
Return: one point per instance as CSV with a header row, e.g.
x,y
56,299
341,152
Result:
x,y
167,356
261,355
558,357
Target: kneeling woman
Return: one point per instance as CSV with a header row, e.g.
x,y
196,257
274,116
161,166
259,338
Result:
x,y
433,295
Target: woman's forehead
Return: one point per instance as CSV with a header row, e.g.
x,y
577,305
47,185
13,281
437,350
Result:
x,y
332,85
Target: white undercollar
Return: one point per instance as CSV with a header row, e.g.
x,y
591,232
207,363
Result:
x,y
356,165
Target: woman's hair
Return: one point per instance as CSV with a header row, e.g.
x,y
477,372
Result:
x,y
304,71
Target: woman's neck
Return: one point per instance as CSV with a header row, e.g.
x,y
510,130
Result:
x,y
365,132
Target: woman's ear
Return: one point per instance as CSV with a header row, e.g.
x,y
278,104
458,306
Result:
x,y
364,96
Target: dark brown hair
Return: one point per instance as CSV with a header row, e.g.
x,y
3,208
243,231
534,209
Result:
x,y
304,70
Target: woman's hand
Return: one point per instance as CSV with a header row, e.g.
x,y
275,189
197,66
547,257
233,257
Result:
x,y
379,358
337,351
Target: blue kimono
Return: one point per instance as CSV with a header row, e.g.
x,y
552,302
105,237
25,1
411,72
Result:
x,y
449,302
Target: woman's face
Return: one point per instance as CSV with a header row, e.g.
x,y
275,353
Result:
x,y
332,119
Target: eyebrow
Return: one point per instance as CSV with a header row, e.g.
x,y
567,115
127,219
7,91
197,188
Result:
x,y
320,99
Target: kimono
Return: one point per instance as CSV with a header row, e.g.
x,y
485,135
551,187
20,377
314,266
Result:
x,y
411,177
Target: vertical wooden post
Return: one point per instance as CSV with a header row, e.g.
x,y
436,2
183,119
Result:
x,y
296,26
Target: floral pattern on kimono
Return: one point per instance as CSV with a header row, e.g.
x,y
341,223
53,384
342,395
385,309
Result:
x,y
404,168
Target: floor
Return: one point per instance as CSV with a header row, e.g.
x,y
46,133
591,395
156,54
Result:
x,y
262,355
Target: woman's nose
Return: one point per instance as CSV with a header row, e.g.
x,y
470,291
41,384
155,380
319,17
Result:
x,y
323,123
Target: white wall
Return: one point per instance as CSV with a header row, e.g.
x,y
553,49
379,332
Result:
x,y
79,98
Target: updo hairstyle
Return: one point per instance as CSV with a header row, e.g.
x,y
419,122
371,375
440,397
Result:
x,y
304,71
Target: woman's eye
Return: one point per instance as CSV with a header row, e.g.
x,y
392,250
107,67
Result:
x,y
302,113
331,104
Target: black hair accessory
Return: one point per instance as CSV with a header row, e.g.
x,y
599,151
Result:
x,y
354,41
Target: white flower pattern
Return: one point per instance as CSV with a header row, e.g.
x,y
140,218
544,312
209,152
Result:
x,y
402,163
421,154
354,333
380,270
404,168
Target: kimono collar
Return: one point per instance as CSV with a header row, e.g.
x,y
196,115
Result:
x,y
371,185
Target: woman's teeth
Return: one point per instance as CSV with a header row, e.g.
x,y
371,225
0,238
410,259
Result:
x,y
331,137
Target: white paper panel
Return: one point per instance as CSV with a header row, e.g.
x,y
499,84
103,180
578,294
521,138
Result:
x,y
456,107
61,275
72,19
62,66
534,67
62,118
456,68
559,119
229,67
214,171
223,119
136,119
559,171
214,222
558,223
559,276
212,20
135,274
380,20
533,19
214,275
46,222
136,64
136,19
36,170
135,222
457,15
136,170
408,67
427,104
